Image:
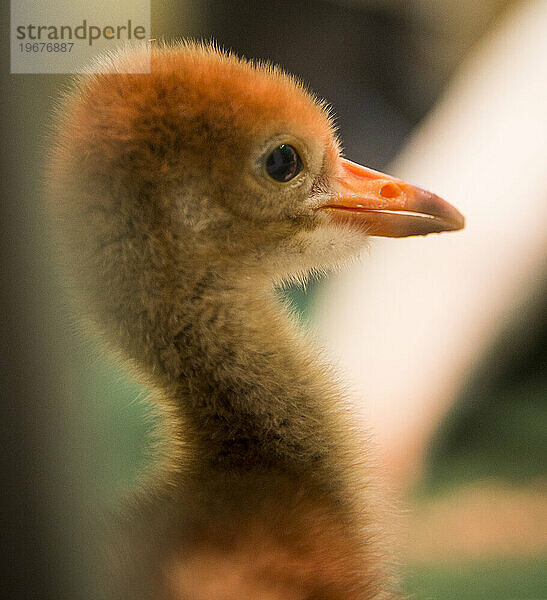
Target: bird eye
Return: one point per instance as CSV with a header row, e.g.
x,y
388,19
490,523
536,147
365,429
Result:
x,y
284,163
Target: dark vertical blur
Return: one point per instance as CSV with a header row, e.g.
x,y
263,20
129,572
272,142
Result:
x,y
41,527
45,534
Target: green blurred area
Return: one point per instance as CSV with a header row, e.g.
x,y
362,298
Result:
x,y
498,427
522,579
117,423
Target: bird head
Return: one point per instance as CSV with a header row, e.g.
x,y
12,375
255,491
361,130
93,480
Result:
x,y
219,159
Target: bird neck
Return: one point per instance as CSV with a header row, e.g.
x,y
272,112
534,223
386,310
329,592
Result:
x,y
246,378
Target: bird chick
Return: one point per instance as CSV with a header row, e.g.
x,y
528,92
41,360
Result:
x,y
182,197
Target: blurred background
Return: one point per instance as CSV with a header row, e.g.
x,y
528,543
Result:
x,y
443,339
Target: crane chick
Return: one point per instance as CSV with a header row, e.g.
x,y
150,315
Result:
x,y
181,198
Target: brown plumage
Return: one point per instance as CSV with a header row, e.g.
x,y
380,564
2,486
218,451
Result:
x,y
175,234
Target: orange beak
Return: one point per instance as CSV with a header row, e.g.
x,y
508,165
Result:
x,y
385,206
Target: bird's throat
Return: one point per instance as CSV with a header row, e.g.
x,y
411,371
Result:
x,y
248,382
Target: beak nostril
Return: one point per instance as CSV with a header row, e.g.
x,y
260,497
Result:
x,y
389,190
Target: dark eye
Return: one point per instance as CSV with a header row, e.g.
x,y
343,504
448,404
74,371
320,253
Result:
x,y
284,163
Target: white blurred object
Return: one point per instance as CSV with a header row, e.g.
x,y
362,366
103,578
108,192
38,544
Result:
x,y
409,323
